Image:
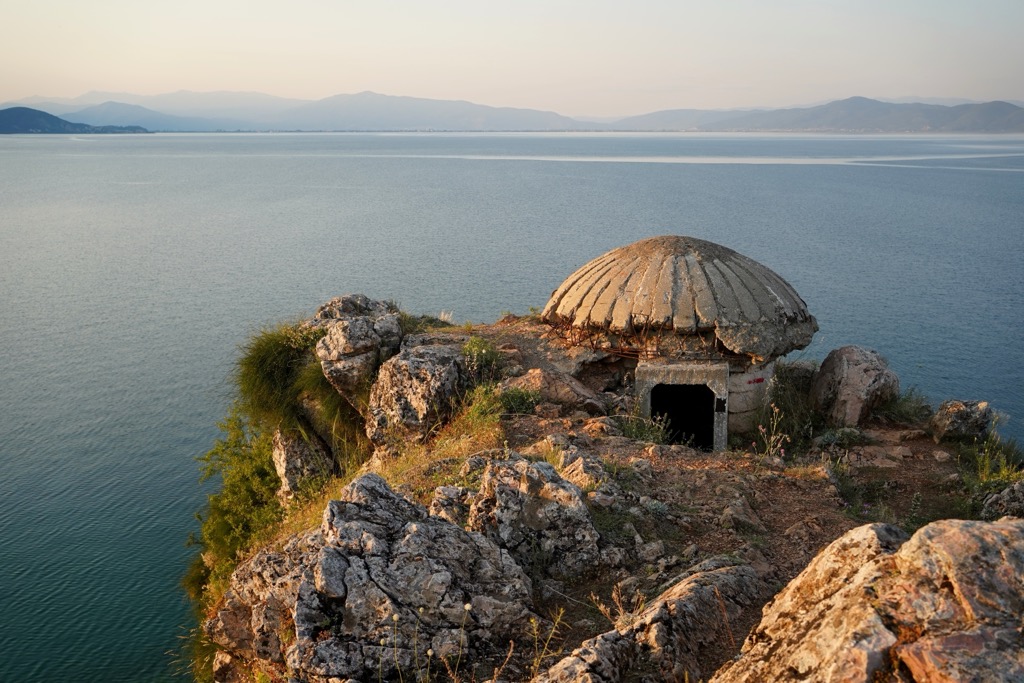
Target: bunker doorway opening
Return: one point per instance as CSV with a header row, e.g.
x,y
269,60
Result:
x,y
688,411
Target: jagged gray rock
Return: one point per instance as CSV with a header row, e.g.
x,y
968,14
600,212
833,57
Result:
x,y
740,516
361,334
873,606
962,420
537,515
1008,502
368,594
297,459
674,633
853,380
415,390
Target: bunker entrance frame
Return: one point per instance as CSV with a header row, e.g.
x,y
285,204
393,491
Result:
x,y
694,396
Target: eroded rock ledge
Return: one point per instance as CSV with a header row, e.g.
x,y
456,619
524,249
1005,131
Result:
x,y
384,589
944,605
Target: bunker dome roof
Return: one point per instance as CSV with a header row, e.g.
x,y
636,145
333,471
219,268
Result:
x,y
684,285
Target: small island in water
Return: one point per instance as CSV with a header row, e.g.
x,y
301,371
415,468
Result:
x,y
632,483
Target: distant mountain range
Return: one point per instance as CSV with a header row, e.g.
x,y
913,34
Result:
x,y
226,111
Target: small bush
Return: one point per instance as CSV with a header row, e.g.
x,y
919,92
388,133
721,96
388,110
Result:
x,y
991,464
653,430
790,394
481,358
417,324
245,505
519,401
844,437
909,408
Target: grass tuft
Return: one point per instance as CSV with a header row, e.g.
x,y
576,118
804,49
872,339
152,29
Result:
x,y
518,401
909,408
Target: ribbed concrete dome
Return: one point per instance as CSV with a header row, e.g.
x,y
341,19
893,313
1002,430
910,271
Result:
x,y
687,286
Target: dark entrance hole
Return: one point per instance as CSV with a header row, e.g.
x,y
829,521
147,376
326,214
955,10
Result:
x,y
689,410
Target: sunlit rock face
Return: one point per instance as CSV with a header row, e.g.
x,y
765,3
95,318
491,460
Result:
x,y
944,605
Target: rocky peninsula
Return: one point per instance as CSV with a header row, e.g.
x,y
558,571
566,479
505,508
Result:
x,y
516,520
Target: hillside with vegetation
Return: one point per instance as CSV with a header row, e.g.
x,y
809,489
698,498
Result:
x,y
405,499
24,120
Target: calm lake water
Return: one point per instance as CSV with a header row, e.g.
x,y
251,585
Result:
x,y
132,267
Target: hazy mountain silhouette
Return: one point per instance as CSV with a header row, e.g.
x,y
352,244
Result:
x,y
27,120
863,115
372,111
120,114
368,111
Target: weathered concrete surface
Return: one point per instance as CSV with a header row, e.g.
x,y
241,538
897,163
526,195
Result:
x,y
853,380
688,286
945,605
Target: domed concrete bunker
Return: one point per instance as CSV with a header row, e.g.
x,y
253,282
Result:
x,y
699,324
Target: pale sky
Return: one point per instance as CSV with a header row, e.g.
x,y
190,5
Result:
x,y
576,57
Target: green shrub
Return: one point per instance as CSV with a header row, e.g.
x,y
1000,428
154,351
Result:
x,y
519,401
844,437
653,430
245,505
267,370
991,464
909,408
417,324
481,358
789,400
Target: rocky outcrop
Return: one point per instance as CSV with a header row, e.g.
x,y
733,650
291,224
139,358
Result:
x,y
674,634
361,334
368,594
851,381
297,459
414,391
874,606
560,389
1008,502
962,420
537,515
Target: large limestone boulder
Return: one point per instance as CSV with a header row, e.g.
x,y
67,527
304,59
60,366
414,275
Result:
x,y
962,420
361,334
296,460
851,381
674,634
414,391
943,606
537,515
365,596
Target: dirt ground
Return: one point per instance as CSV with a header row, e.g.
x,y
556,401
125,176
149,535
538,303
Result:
x,y
899,476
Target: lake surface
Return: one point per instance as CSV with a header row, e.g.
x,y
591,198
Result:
x,y
132,267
